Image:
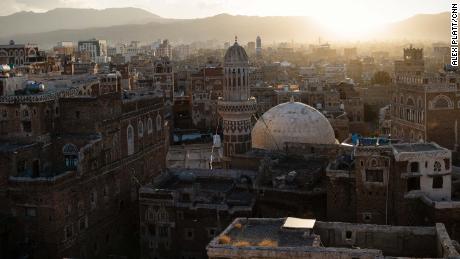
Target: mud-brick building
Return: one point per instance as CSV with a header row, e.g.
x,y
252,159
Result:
x,y
296,238
206,87
184,209
395,184
73,153
425,106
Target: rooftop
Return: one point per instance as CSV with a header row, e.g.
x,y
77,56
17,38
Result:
x,y
269,238
416,147
256,230
204,188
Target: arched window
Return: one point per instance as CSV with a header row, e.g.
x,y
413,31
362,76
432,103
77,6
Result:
x,y
410,101
437,166
70,152
441,102
149,126
162,215
140,128
150,214
130,139
159,122
374,162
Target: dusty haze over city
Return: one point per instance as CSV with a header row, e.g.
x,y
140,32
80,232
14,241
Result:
x,y
229,129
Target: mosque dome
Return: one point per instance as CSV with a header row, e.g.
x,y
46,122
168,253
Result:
x,y
236,54
291,122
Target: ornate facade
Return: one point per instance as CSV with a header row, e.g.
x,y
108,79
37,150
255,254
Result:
x,y
425,107
236,107
72,158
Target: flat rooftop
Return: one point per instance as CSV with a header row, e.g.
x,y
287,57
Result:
x,y
257,231
270,238
199,187
416,147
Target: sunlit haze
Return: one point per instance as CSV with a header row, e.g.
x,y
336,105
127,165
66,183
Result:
x,y
331,12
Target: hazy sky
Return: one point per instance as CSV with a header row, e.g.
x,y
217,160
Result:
x,y
332,13
387,10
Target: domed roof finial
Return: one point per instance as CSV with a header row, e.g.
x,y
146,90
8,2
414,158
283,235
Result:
x,y
236,39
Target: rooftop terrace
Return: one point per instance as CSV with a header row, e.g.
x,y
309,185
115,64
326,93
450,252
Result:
x,y
270,238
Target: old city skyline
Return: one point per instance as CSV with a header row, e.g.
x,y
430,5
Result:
x,y
124,134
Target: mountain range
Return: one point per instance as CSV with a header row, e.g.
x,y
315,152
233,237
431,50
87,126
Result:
x,y
125,24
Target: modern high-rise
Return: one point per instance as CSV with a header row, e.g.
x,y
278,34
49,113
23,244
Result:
x,y
258,46
95,48
236,107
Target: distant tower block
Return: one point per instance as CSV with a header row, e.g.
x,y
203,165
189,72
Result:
x,y
236,106
258,46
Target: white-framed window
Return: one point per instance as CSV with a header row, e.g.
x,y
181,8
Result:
x,y
130,139
70,152
158,122
437,166
149,126
140,128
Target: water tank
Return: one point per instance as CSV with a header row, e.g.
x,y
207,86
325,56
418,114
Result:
x,y
34,87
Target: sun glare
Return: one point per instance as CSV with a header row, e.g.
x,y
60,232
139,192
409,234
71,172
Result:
x,y
347,21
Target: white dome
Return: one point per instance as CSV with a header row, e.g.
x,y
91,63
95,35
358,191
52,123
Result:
x,y
291,122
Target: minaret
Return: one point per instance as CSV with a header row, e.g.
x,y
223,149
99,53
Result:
x,y
258,46
236,106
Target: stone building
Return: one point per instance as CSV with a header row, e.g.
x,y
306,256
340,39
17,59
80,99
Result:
x,y
236,106
164,50
206,87
291,184
184,209
73,154
20,54
353,106
424,106
266,98
305,238
397,184
94,47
